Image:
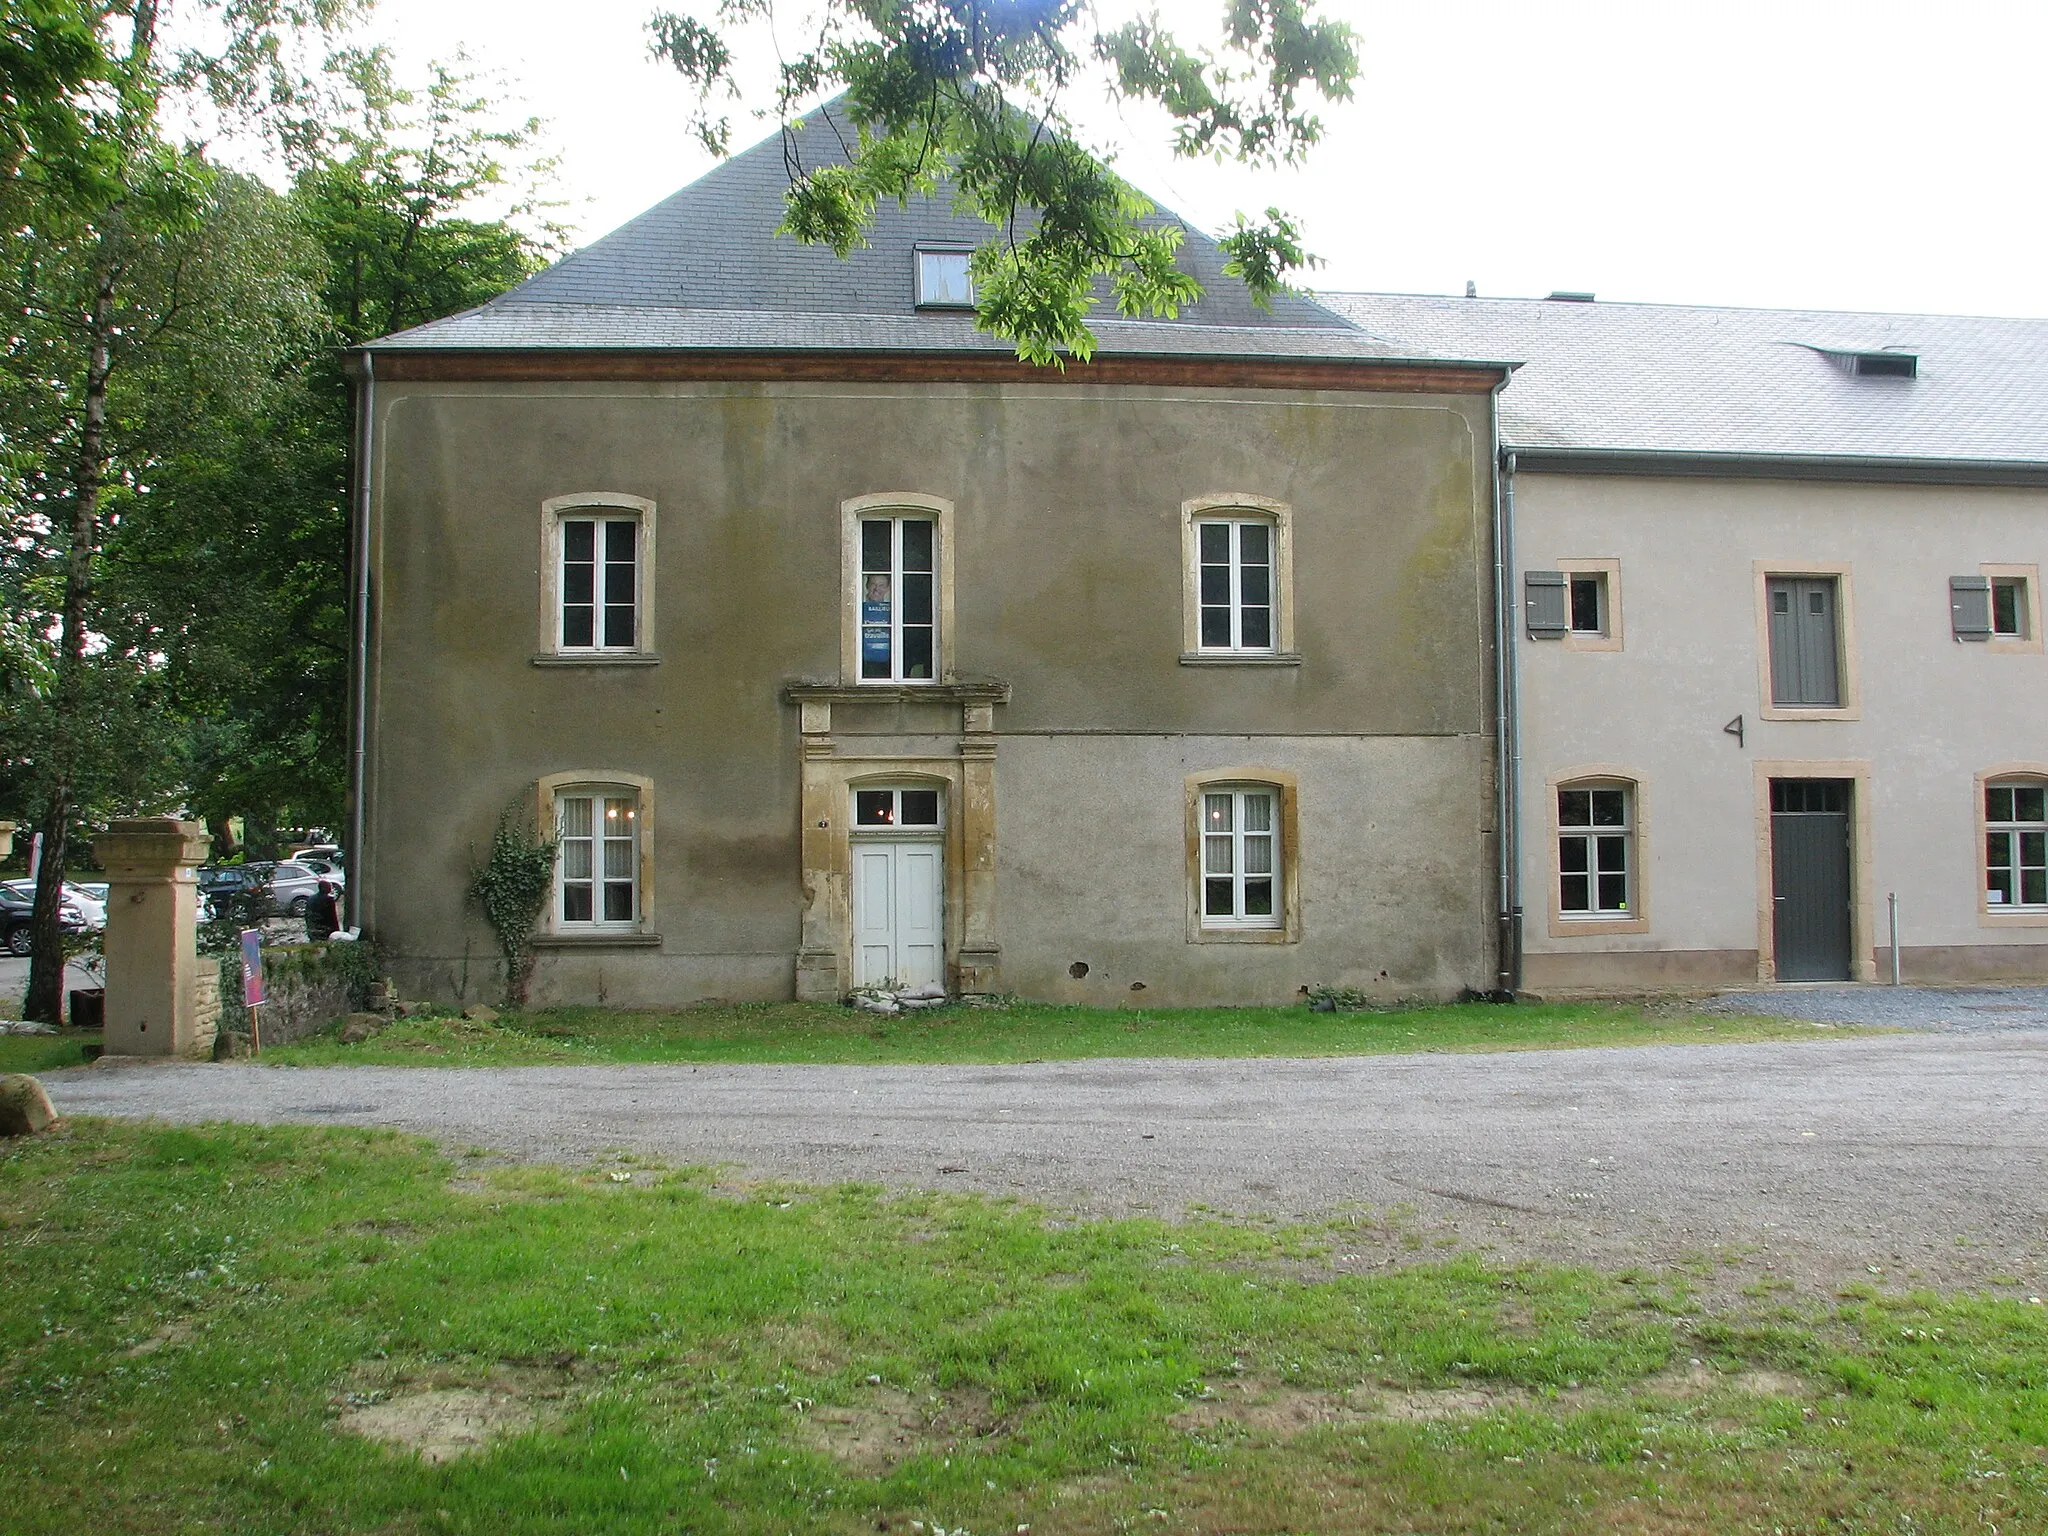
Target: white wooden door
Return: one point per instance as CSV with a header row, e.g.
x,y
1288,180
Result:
x,y
899,914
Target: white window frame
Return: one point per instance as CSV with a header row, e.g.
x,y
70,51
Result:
x,y
1589,836
1234,845
600,507
896,505
925,296
2012,831
602,565
1235,567
1236,510
610,805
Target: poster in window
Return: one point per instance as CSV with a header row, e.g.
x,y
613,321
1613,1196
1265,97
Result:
x,y
874,630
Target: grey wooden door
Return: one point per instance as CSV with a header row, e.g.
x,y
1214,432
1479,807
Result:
x,y
1810,878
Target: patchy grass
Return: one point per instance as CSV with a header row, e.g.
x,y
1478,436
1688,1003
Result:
x,y
810,1032
274,1329
45,1053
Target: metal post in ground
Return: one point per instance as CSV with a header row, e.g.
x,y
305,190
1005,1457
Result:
x,y
1894,903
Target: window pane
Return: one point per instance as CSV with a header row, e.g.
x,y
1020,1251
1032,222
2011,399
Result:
x,y
1258,855
618,541
875,544
1257,624
1574,808
579,541
1571,855
1586,604
920,807
1216,813
917,652
1609,809
576,859
618,625
874,807
1215,543
1258,813
1253,543
574,814
1216,628
2030,804
1573,894
1781,601
579,626
618,858
579,582
1218,899
1216,584
2005,607
1614,893
2034,887
1816,602
576,903
2033,849
1217,855
1612,853
1255,586
618,581
618,901
917,544
1998,804
1258,898
917,599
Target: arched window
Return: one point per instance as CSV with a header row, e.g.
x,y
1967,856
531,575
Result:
x,y
602,824
1241,856
1596,850
2016,845
1239,579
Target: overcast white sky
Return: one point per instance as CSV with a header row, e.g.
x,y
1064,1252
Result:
x,y
1799,153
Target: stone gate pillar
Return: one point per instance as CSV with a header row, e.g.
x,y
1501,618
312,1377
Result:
x,y
153,1003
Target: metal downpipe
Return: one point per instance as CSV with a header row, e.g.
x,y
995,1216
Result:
x,y
1508,807
359,703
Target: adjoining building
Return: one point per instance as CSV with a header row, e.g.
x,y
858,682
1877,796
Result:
x,y
1779,656
840,649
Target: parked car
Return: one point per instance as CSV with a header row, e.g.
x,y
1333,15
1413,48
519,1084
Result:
x,y
256,890
16,911
326,865
91,908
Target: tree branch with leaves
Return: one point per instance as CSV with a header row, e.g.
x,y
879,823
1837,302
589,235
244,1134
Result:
x,y
967,95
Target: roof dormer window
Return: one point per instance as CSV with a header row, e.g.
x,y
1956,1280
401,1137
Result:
x,y
1873,365
943,280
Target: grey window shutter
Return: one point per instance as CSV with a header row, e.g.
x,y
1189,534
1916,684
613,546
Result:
x,y
1969,607
1543,604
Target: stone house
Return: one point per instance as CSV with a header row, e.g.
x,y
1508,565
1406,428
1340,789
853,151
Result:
x,y
1778,660
839,648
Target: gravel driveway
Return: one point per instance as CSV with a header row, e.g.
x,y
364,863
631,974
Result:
x,y
1884,1159
1953,1010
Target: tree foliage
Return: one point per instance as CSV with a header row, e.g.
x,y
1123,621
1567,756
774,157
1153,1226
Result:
x,y
969,95
174,421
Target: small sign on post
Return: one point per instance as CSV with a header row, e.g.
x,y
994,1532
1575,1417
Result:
x,y
252,984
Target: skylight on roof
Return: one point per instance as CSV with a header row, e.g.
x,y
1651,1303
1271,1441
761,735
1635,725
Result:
x,y
1885,364
943,280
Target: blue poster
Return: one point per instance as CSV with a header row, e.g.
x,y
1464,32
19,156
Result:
x,y
874,630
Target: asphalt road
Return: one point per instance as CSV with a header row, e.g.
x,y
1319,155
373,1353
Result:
x,y
1892,1160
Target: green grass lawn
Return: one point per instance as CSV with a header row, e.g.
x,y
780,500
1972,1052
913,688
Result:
x,y
255,1329
44,1053
808,1032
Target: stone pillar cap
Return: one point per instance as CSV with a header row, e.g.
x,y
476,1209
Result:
x,y
144,844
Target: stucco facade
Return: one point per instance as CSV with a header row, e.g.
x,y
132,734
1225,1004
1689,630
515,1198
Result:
x,y
1066,731
1924,719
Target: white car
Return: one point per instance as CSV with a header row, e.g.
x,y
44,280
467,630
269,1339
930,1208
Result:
x,y
327,866
91,910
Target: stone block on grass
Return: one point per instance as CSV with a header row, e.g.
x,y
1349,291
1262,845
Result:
x,y
24,1108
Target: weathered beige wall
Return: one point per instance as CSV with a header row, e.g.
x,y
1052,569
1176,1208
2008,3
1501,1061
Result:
x,y
1934,711
1068,587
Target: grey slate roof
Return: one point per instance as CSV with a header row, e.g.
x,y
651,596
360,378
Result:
x,y
1687,380
704,268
